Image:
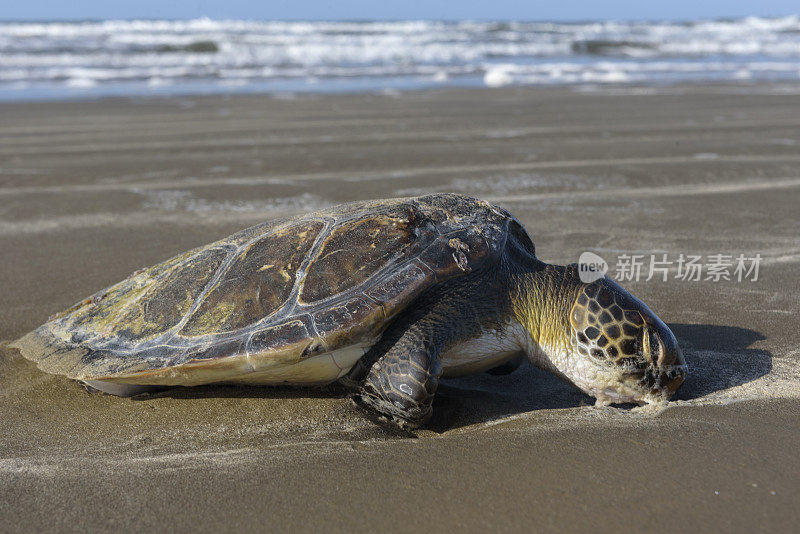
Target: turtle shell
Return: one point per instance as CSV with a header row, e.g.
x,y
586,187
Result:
x,y
274,294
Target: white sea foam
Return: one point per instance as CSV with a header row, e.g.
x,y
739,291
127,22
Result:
x,y
319,55
499,75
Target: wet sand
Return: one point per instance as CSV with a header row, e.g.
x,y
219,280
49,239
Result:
x,y
92,191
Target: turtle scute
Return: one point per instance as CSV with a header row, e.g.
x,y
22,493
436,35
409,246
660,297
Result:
x,y
355,251
257,283
145,304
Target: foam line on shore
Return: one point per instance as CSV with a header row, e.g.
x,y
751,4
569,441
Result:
x,y
423,171
658,191
138,219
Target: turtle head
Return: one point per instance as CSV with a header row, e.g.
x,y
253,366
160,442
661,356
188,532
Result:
x,y
628,353
605,341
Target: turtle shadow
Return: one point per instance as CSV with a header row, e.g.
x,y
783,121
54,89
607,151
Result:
x,y
238,391
483,398
719,357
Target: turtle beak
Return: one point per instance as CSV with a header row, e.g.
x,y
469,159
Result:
x,y
653,385
670,365
667,369
658,384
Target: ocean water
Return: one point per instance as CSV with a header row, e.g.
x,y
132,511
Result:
x,y
114,57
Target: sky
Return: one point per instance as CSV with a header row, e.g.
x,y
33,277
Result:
x,y
395,9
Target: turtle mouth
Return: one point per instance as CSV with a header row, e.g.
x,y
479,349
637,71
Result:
x,y
613,384
655,385
648,386
666,378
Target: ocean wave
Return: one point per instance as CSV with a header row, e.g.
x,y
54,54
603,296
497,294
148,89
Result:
x,y
600,47
167,53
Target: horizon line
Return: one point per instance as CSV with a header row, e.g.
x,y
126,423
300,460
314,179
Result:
x,y
721,18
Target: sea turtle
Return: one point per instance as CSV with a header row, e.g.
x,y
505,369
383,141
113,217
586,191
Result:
x,y
385,296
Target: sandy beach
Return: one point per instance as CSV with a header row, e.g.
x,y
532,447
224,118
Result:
x,y
91,191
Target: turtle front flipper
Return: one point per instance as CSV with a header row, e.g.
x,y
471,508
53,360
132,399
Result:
x,y
397,378
400,385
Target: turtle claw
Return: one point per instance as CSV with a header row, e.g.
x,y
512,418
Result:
x,y
390,416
